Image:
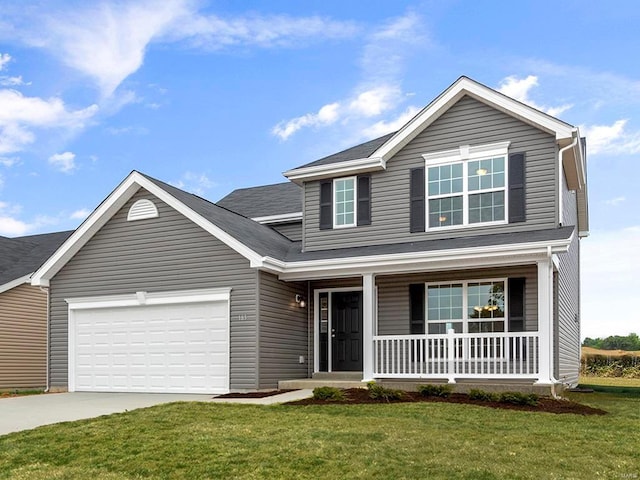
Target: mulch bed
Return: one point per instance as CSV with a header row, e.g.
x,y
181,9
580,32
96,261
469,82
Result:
x,y
545,404
253,394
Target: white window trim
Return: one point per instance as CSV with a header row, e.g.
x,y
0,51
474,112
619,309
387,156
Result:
x,y
355,203
464,154
465,302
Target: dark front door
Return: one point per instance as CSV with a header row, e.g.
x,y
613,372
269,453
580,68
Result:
x,y
346,332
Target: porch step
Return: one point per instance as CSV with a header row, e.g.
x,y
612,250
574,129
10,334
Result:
x,y
318,382
355,376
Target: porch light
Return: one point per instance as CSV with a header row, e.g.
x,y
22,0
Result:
x,y
300,301
481,171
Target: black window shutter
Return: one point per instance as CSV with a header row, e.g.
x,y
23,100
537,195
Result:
x,y
416,308
516,304
364,200
417,202
326,205
516,188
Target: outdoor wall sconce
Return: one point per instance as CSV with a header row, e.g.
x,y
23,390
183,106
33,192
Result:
x,y
300,301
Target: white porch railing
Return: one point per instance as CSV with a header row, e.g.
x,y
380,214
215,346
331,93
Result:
x,y
457,355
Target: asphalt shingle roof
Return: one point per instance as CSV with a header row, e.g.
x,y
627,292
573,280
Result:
x,y
22,256
259,238
265,200
359,151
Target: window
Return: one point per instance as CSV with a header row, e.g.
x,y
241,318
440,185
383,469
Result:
x,y
344,202
467,186
467,307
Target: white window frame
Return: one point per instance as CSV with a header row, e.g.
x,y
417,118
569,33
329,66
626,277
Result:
x,y
355,202
465,303
464,154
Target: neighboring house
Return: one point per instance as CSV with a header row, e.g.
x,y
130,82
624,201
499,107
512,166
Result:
x,y
446,251
23,310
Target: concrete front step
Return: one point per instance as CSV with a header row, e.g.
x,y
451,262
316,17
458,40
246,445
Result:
x,y
306,383
353,376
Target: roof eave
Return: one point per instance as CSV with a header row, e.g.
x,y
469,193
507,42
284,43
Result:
x,y
511,254
350,167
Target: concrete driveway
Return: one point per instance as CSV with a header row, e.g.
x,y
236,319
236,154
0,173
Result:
x,y
24,413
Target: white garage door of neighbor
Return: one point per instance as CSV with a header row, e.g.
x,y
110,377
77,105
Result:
x,y
170,348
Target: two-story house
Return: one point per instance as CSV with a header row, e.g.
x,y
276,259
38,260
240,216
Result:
x,y
446,251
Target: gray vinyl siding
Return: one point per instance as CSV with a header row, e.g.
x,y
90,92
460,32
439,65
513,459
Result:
x,y
284,331
23,338
393,294
468,122
567,338
155,255
292,230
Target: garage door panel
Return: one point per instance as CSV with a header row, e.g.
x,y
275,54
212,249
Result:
x,y
158,348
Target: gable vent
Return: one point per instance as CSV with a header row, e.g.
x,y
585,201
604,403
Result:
x,y
142,209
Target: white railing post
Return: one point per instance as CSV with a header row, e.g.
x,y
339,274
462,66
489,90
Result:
x,y
451,350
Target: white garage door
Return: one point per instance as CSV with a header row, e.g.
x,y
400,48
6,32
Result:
x,y
169,348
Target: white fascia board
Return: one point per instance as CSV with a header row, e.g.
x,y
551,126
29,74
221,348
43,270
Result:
x,y
109,207
282,218
332,170
15,283
513,254
466,86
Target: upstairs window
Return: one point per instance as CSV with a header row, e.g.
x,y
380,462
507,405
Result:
x,y
467,186
344,202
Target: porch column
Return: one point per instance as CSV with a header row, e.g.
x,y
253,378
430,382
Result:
x,y
545,320
368,317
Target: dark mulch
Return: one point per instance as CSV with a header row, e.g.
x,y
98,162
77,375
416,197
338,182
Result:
x,y
545,404
270,393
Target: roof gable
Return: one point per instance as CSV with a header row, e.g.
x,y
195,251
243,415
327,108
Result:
x,y
226,226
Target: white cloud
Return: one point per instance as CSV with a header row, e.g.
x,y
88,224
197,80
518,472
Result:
x,y
519,89
612,139
376,100
327,115
383,127
5,58
614,202
12,227
610,276
9,161
196,183
20,115
12,81
64,162
80,214
130,130
214,32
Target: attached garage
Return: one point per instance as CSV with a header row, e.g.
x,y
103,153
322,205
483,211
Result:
x,y
162,342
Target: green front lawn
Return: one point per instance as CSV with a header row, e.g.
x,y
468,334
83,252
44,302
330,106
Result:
x,y
418,440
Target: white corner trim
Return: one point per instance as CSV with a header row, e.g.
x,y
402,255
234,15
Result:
x,y
466,86
153,298
281,218
109,207
350,167
15,283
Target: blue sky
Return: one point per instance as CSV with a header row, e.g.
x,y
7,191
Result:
x,y
213,96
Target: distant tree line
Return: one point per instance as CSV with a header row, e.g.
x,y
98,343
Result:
x,y
629,343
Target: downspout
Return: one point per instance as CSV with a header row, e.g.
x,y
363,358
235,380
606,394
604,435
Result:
x,y
46,291
561,178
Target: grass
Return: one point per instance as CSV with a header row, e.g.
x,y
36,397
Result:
x,y
416,440
16,392
610,381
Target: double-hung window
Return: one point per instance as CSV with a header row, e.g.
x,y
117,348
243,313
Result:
x,y
344,202
466,307
467,186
